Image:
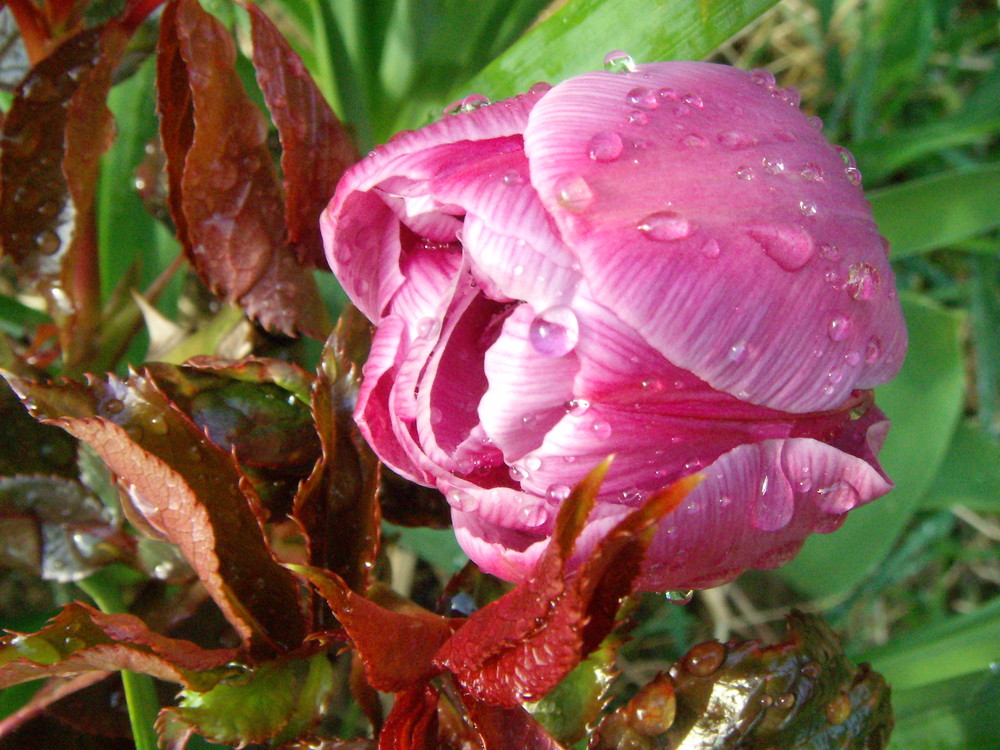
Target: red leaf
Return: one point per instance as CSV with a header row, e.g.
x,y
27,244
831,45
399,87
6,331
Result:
x,y
379,633
81,639
413,722
520,646
53,136
316,147
187,490
506,728
337,505
224,192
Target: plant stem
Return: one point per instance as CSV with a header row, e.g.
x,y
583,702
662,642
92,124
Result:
x,y
140,695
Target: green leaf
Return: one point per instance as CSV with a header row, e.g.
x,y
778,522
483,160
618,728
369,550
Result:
x,y
970,474
575,38
924,402
955,714
934,212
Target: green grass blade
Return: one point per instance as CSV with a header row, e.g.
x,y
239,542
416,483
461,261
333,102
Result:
x,y
956,714
576,37
924,402
934,212
970,474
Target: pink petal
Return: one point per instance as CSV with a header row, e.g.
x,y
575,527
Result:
x,y
709,267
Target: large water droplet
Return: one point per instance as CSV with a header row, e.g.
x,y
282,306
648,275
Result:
x,y
601,428
790,247
738,351
679,596
664,226
637,117
48,242
705,658
853,175
862,281
812,172
618,61
838,328
554,332
808,208
773,165
763,78
694,101
467,104
774,503
573,193
605,146
558,492
839,497
642,97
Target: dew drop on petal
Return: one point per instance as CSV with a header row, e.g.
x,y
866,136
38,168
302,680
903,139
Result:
x,y
773,165
573,193
428,328
618,61
694,140
642,97
667,94
774,503
577,407
812,172
763,78
437,416
540,88
845,156
558,492
532,463
744,173
637,117
807,208
829,252
605,146
679,596
839,497
664,226
736,139
694,101
873,350
838,328
554,332
512,177
816,122
852,358
862,281
790,247
601,428
711,249
790,95
853,175
533,515
738,351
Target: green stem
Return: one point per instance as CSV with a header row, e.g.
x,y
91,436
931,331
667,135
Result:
x,y
140,695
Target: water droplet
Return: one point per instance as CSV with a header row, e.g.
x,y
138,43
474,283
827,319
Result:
x,y
517,473
693,140
745,173
638,118
667,94
517,270
839,709
532,463
705,658
679,596
736,139
114,406
773,165
853,175
725,501
601,428
812,172
577,407
558,492
763,78
835,375
838,497
605,146
873,349
845,156
158,425
467,104
436,415
48,242
554,332
428,328
618,61
694,101
533,515
664,226
711,249
838,328
774,503
816,122
852,358
862,281
573,193
790,247
512,177
785,701
540,88
808,208
829,252
738,351
790,95
642,97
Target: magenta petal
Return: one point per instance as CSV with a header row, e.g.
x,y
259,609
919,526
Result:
x,y
715,289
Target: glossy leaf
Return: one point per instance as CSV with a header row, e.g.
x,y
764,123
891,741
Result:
x,y
277,701
224,194
575,38
520,646
953,714
186,489
801,692
970,473
81,639
924,403
316,147
413,722
29,446
936,211
500,728
337,505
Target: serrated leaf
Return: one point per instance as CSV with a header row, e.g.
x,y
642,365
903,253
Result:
x,y
186,489
316,147
277,701
224,194
81,639
337,506
500,728
413,721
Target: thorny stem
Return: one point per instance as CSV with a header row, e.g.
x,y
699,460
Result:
x,y
140,695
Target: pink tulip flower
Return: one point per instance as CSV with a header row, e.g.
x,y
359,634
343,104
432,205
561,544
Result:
x,y
669,264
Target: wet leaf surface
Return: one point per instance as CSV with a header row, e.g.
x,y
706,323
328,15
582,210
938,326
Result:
x,y
337,507
799,693
277,701
224,193
413,721
31,447
522,645
187,490
81,639
316,147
